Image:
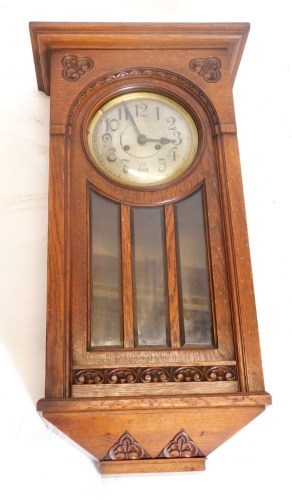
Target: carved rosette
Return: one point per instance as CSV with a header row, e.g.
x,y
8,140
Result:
x,y
181,446
208,68
183,374
126,448
74,67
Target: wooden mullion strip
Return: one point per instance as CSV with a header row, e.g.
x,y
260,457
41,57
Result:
x,y
127,283
173,297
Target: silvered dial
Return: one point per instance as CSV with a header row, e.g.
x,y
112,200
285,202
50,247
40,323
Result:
x,y
143,139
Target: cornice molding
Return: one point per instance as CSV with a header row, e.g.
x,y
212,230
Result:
x,y
46,37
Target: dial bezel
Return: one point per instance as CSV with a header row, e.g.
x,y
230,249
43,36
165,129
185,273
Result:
x,y
167,96
141,180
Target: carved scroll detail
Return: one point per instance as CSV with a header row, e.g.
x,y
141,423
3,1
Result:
x,y
155,375
126,448
208,68
121,376
220,373
75,67
88,377
181,446
189,374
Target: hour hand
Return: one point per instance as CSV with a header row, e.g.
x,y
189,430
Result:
x,y
162,140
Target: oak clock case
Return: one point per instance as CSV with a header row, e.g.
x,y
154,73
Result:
x,y
153,356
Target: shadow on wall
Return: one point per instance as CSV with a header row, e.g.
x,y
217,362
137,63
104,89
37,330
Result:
x,y
23,250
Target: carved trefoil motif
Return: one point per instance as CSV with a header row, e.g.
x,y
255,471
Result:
x,y
75,67
126,448
208,68
181,446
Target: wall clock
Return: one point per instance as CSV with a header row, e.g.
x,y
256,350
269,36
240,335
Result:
x,y
153,356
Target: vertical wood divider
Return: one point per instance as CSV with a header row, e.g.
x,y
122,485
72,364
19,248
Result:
x,y
56,338
172,277
127,283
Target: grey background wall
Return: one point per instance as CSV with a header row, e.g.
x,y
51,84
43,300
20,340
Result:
x,y
36,462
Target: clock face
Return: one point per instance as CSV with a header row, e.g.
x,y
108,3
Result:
x,y
143,139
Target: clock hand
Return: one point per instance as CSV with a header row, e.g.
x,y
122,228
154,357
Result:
x,y
142,138
162,140
132,120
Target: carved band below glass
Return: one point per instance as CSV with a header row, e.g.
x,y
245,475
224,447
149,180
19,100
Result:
x,y
155,375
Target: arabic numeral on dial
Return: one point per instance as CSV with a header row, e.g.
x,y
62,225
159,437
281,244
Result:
x,y
171,120
112,155
123,113
125,164
140,110
112,125
106,139
172,153
162,165
178,141
143,167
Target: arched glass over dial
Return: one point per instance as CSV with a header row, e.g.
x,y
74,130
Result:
x,y
143,139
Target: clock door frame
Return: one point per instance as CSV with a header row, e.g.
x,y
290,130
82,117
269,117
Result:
x,y
204,175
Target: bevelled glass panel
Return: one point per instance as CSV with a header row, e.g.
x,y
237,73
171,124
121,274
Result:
x,y
106,305
149,277
193,275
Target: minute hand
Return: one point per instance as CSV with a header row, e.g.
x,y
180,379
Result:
x,y
132,119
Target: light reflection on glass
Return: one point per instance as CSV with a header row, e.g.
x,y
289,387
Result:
x,y
195,309
106,311
149,277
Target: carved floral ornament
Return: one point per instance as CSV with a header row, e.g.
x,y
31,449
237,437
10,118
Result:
x,y
208,68
127,448
155,375
181,446
74,67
